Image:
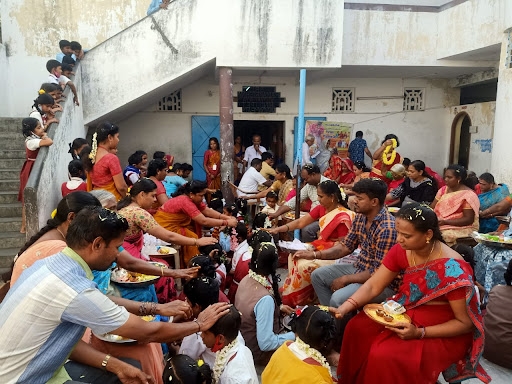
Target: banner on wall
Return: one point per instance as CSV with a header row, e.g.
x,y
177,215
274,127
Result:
x,y
331,134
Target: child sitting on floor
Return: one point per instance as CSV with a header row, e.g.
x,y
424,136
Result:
x,y
218,256
271,206
76,181
182,369
233,360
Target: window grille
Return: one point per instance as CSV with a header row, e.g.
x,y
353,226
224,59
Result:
x,y
508,61
170,102
414,99
343,99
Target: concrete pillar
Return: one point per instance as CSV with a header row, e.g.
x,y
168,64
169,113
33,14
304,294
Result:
x,y
226,131
501,163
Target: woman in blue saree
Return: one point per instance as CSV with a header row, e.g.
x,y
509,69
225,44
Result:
x,y
492,194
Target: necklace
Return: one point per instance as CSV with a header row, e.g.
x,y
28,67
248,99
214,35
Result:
x,y
429,255
220,360
262,280
311,352
58,230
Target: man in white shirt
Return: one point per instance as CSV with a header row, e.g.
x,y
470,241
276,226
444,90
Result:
x,y
251,179
254,151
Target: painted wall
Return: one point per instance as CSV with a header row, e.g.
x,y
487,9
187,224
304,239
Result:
x,y
4,106
423,134
481,147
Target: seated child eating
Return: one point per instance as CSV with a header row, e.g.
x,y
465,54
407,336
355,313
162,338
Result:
x,y
76,181
233,360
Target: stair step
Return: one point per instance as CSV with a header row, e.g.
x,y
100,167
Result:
x,y
8,197
10,210
10,124
11,163
9,174
11,135
10,224
7,256
10,185
12,239
13,154
6,144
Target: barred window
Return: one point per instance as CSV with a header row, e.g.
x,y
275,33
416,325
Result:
x,y
414,99
508,61
343,99
170,102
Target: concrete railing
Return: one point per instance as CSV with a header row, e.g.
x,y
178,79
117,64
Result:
x,y
50,170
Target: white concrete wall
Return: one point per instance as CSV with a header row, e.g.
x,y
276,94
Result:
x,y
423,135
480,150
4,105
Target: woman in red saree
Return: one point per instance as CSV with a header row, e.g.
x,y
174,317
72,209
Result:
x,y
334,220
102,165
340,170
211,164
382,168
446,333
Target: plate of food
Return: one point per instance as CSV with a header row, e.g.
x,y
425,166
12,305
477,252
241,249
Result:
x,y
111,338
497,241
393,209
377,313
132,279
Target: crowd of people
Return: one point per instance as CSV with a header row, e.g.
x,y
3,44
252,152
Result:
x,y
395,231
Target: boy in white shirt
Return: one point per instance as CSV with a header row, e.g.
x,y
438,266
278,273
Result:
x,y
234,363
56,77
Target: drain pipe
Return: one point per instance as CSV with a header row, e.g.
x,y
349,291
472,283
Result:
x,y
299,135
226,131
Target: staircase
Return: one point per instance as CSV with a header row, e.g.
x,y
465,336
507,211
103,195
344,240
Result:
x,y
11,160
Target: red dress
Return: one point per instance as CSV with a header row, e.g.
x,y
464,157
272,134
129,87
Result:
x,y
370,353
26,169
380,169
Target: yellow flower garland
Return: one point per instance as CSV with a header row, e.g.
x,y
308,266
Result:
x,y
388,149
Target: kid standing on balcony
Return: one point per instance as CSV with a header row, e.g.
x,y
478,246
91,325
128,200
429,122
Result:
x,y
56,77
42,110
35,138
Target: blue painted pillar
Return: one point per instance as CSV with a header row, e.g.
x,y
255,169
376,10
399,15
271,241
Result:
x,y
299,138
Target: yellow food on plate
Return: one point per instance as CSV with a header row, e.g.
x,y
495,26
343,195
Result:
x,y
164,250
148,318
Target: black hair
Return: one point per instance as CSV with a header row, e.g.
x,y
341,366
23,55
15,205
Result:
x,y
487,177
259,237
228,325
135,158
208,249
50,87
141,152
203,291
142,185
28,124
216,203
406,162
266,156
76,168
390,136
215,140
43,99
284,168
461,173
420,166
195,186
205,264
373,188
52,64
467,254
64,43
315,327
75,46
158,155
104,130
176,167
259,221
75,146
508,273
264,262
362,166
232,209
182,369
330,187
272,195
311,168
241,204
359,134
255,162
241,231
422,217
93,222
67,67
155,166
187,167
67,60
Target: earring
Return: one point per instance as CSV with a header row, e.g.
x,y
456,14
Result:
x,y
428,241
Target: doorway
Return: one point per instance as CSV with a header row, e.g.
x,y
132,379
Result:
x,y
460,140
271,132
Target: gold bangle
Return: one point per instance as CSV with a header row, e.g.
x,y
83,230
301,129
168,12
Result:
x,y
105,362
195,242
162,269
287,228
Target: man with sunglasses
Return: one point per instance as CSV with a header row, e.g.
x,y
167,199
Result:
x,y
45,314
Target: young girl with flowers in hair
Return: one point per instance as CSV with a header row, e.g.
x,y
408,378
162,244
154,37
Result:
x,y
302,360
258,299
182,369
233,360
102,166
43,110
35,138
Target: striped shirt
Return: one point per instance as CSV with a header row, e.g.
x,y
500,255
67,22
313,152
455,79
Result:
x,y
45,314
